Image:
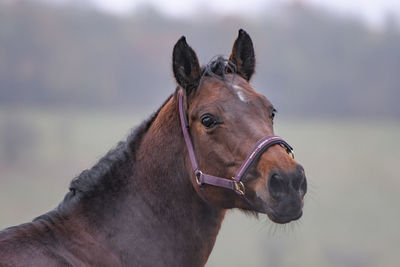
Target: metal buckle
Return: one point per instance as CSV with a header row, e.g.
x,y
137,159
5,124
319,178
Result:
x,y
198,175
239,187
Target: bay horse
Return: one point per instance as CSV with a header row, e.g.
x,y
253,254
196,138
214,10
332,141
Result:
x,y
158,198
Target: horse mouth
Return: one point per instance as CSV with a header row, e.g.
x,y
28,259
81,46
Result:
x,y
283,219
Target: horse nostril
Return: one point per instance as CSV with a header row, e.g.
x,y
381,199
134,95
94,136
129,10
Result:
x,y
296,182
303,187
277,186
299,184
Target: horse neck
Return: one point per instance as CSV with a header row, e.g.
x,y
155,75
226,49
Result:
x,y
161,212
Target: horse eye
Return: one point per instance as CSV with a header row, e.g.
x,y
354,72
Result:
x,y
208,121
273,113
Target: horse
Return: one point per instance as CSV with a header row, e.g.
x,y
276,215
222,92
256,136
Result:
x,y
159,197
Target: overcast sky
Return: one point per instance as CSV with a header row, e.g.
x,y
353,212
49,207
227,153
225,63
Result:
x,y
371,10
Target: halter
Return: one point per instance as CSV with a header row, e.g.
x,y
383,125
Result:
x,y
235,183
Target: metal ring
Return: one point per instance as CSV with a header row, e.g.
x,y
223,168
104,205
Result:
x,y
239,187
198,175
288,150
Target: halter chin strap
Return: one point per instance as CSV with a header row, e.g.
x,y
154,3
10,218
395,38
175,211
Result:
x,y
235,183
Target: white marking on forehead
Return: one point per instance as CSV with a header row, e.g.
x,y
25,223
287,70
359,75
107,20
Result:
x,y
239,92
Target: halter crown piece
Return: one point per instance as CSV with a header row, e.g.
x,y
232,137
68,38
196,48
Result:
x,y
235,183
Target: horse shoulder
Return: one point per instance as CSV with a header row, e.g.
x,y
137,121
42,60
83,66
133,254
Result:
x,y
21,246
39,244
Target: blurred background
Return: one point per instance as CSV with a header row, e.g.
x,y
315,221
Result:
x,y
77,75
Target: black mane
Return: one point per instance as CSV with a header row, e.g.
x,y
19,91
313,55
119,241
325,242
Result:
x,y
111,172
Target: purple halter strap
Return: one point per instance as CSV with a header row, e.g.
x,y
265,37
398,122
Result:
x,y
235,183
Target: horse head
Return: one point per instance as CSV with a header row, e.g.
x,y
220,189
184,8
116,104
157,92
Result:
x,y
225,117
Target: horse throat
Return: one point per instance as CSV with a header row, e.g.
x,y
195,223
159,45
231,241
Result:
x,y
182,220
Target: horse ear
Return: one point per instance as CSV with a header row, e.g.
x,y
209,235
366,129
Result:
x,y
186,66
243,55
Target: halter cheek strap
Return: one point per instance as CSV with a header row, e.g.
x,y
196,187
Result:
x,y
235,183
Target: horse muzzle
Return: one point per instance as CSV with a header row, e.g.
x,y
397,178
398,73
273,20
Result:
x,y
286,195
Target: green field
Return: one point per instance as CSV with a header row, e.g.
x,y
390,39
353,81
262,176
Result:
x,y
351,215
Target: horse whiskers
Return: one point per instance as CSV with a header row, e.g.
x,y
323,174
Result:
x,y
312,192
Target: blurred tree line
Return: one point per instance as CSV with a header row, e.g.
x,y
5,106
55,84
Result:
x,y
309,62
